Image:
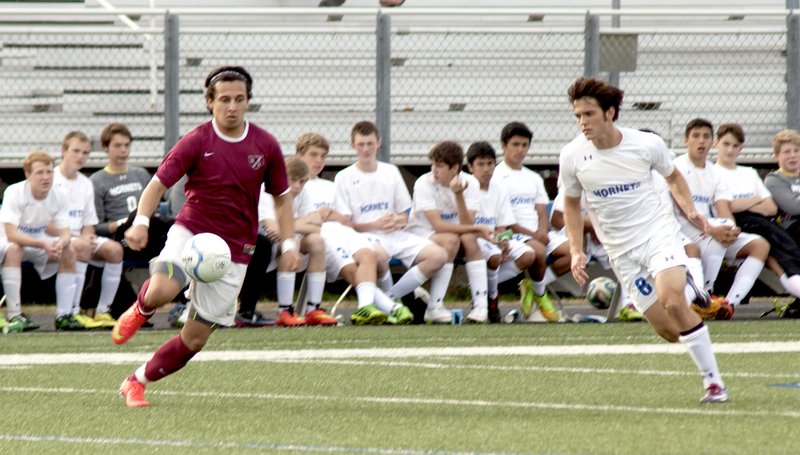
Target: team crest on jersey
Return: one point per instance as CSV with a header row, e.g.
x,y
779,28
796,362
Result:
x,y
256,161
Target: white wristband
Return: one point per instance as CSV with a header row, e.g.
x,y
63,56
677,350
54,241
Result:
x,y
288,244
141,220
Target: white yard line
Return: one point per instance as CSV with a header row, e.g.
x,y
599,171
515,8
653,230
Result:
x,y
712,410
394,353
139,443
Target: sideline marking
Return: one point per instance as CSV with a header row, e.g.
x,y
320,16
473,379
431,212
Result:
x,y
272,355
715,410
229,445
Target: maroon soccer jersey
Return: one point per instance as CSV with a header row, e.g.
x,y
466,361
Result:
x,y
224,182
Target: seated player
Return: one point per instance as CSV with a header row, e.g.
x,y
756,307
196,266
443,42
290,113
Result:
x,y
504,259
374,197
445,201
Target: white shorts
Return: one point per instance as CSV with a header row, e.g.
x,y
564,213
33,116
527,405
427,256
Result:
x,y
516,249
401,245
341,242
731,250
637,268
36,256
593,249
216,301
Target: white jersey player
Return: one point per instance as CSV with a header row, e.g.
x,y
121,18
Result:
x,y
612,167
348,254
712,197
30,208
444,208
504,257
75,149
374,197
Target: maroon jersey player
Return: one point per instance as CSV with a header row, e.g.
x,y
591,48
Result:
x,y
226,160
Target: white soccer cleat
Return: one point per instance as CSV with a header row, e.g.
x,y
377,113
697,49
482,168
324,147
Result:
x,y
440,315
478,315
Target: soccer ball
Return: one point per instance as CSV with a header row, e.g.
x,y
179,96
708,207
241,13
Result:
x,y
206,257
601,291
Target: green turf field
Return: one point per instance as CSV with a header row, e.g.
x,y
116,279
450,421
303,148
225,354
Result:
x,y
539,389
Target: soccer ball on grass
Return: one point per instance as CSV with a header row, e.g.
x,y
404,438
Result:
x,y
601,291
206,257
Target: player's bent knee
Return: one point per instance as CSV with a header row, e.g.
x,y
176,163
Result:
x,y
172,270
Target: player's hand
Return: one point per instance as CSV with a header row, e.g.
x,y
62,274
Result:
x,y
699,221
136,237
54,250
457,186
725,235
294,260
541,236
487,233
579,268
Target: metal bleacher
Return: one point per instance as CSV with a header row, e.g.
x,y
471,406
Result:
x,y
324,79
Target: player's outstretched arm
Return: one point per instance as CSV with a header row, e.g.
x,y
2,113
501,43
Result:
x,y
137,236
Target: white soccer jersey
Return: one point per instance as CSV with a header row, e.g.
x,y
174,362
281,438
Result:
x,y
558,205
743,181
494,207
623,205
316,194
429,195
31,216
80,193
266,206
705,183
525,189
367,196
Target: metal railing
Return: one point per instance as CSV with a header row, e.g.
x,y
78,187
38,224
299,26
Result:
x,y
423,74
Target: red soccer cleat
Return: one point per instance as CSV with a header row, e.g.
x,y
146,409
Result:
x,y
288,318
725,311
715,394
133,392
127,324
319,317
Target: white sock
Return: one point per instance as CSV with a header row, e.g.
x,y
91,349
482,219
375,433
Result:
x,y
477,278
365,293
712,261
407,283
695,267
80,280
744,280
386,281
384,303
439,284
139,373
492,282
65,293
507,271
12,283
791,284
549,277
286,288
539,287
698,344
316,285
109,282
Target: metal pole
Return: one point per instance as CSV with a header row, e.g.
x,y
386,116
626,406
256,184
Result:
x,y
383,77
171,81
613,77
793,72
591,58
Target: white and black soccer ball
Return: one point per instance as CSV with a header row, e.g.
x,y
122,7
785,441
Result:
x,y
206,257
600,292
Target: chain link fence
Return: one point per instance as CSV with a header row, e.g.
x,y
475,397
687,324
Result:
x,y
462,84
54,83
322,82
